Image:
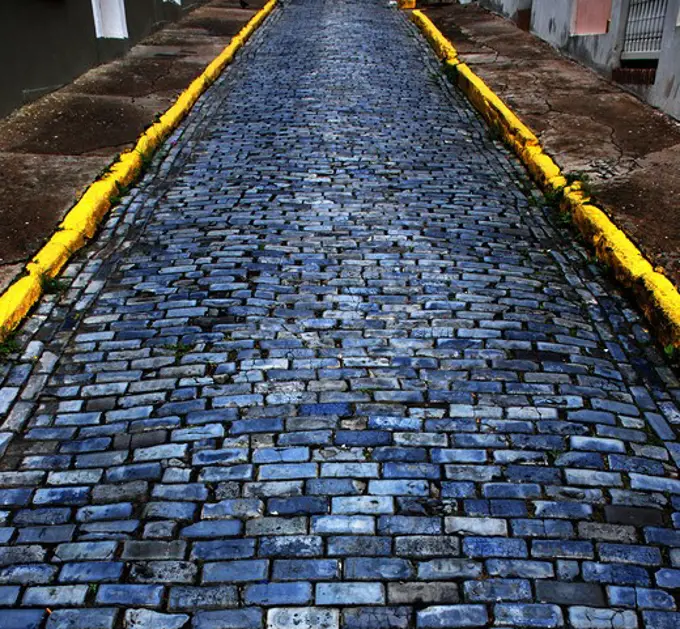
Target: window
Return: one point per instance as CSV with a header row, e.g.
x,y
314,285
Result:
x,y
591,17
109,19
644,29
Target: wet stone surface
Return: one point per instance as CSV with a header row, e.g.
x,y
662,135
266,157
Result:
x,y
330,365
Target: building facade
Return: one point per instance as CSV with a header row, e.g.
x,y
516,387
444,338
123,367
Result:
x,y
634,42
45,44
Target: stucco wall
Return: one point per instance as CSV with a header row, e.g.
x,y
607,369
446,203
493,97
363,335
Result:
x,y
552,21
144,16
665,93
45,44
509,8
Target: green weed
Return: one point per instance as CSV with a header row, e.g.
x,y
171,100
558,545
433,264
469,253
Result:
x,y
564,219
583,179
9,345
52,285
180,349
553,197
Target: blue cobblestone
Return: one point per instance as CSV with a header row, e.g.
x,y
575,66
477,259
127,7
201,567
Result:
x,y
82,619
244,618
377,568
278,594
494,547
661,620
143,595
447,616
529,615
21,618
235,571
616,574
350,594
91,572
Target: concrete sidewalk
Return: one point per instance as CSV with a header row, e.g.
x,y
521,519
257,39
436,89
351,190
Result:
x,y
51,150
629,150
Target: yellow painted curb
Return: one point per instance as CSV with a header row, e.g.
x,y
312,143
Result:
x,y
656,295
83,219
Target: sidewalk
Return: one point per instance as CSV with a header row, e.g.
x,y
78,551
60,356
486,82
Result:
x,y
51,150
629,150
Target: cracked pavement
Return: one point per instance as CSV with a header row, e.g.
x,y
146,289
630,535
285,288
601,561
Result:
x,y
332,365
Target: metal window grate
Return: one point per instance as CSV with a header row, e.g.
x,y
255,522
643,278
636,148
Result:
x,y
644,29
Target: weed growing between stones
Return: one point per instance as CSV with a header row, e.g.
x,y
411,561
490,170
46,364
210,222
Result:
x,y
52,285
553,197
180,349
8,345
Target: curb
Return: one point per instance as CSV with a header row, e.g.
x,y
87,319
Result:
x,y
82,221
654,292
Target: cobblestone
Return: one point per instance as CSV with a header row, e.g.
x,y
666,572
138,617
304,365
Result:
x,y
331,365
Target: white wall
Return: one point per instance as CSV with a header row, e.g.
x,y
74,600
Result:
x,y
109,19
665,93
509,8
552,21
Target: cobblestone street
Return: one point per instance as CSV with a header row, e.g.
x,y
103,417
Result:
x,y
331,365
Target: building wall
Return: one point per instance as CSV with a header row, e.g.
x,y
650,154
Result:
x,y
45,44
144,16
592,17
509,8
665,93
555,23
551,20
